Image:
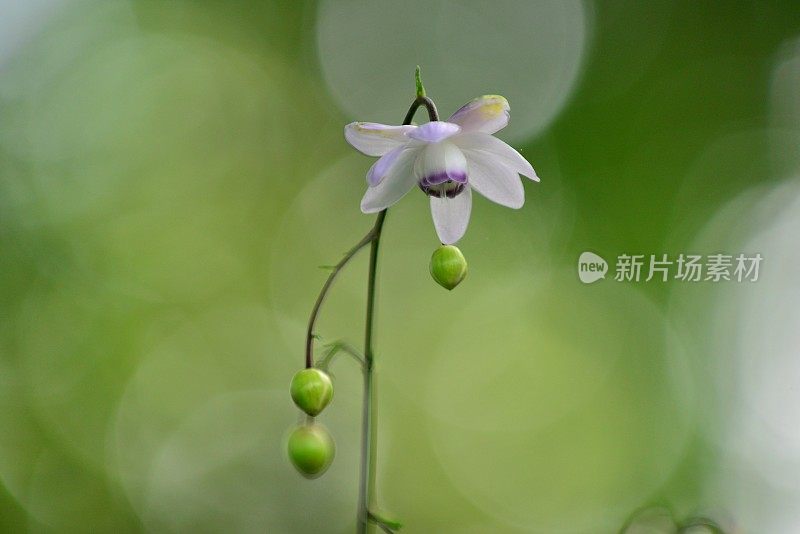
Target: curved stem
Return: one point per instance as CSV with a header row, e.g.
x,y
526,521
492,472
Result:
x,y
433,114
366,240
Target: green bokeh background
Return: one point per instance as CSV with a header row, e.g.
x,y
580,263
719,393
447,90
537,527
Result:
x,y
172,174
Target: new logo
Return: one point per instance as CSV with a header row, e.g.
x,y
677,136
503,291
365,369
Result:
x,y
591,267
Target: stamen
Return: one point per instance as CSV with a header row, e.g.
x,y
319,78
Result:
x,y
449,189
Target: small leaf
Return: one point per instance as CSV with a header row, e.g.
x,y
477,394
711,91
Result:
x,y
327,267
381,519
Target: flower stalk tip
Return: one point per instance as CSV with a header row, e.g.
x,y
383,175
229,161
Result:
x,y
420,87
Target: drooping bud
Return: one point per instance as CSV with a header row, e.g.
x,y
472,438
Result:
x,y
311,390
311,449
448,266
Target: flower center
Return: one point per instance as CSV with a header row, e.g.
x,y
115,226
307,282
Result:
x,y
449,189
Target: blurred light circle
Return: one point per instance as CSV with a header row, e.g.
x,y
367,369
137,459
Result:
x,y
148,160
161,257
56,486
558,407
764,428
320,224
224,349
530,52
656,520
744,340
198,437
64,337
785,105
224,469
784,85
21,21
192,107
20,445
732,168
699,529
63,493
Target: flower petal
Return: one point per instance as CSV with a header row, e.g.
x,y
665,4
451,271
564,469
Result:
x,y
481,143
395,184
495,180
439,163
433,132
451,215
487,113
381,168
375,139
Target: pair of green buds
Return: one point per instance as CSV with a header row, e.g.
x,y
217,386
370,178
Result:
x,y
311,447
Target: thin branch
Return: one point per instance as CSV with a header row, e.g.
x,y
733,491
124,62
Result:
x,y
337,347
382,524
366,240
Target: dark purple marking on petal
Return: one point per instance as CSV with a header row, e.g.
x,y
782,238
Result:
x,y
447,189
441,177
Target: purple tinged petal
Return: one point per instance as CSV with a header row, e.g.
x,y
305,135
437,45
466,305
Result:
x,y
488,114
375,139
398,181
381,167
433,132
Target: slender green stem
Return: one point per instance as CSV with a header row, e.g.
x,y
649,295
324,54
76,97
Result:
x,y
367,476
366,486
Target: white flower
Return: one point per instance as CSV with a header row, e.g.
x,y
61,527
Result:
x,y
447,160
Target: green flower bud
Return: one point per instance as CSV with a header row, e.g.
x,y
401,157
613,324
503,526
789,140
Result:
x,y
311,450
448,266
312,390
